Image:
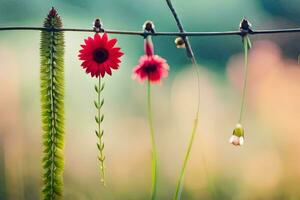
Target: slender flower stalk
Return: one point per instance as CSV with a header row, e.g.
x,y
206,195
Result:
x,y
237,138
154,151
246,45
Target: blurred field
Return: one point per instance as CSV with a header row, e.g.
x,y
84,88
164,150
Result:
x,y
267,167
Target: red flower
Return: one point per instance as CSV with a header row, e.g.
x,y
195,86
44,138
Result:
x,y
99,55
151,67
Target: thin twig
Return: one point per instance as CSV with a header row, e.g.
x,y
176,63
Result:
x,y
141,33
190,55
189,51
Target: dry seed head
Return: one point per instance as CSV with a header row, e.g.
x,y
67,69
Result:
x,y
179,42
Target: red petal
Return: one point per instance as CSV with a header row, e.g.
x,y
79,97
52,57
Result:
x,y
97,37
111,43
116,49
88,41
116,53
104,38
114,65
108,70
101,70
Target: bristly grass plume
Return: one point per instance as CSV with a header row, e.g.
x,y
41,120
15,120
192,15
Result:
x,y
52,106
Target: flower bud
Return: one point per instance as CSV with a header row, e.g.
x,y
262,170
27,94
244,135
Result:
x,y
148,26
52,12
179,42
98,25
237,137
148,47
245,27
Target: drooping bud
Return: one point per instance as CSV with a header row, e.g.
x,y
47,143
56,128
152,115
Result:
x,y
179,42
237,137
149,49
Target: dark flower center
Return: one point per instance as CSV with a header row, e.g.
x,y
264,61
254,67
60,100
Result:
x,y
100,55
149,68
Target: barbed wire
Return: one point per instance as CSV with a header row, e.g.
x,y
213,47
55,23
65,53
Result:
x,y
143,34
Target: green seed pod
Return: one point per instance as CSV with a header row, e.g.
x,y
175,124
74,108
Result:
x,y
237,138
238,131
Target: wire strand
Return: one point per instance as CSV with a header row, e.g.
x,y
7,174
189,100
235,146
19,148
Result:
x,y
143,34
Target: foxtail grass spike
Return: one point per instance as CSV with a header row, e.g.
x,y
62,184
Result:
x,y
52,106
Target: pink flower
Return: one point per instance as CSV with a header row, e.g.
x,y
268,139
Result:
x,y
236,141
151,67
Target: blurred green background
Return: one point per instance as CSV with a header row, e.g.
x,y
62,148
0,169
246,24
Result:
x,y
266,167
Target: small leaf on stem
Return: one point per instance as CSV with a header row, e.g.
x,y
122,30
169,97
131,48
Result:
x,y
96,104
102,102
102,87
97,119
96,89
97,133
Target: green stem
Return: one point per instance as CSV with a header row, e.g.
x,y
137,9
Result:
x,y
154,153
100,132
246,44
179,186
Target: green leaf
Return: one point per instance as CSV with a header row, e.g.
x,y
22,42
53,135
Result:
x,y
101,158
102,102
102,147
102,87
96,104
96,89
97,119
97,133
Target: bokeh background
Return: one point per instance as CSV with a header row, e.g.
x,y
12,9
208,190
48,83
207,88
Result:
x,y
266,167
